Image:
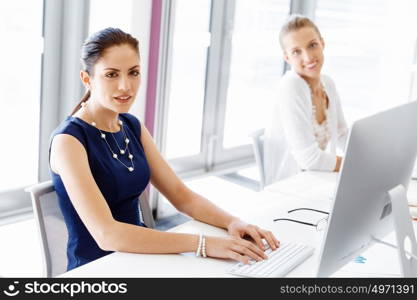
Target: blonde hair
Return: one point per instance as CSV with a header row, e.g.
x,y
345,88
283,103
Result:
x,y
294,23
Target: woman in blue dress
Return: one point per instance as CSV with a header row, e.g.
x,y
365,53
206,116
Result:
x,y
102,158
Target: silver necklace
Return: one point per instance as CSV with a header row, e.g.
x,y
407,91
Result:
x,y
121,151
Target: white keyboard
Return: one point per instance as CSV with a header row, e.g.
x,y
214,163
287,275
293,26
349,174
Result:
x,y
279,262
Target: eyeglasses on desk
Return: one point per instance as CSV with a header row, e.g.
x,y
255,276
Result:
x,y
319,225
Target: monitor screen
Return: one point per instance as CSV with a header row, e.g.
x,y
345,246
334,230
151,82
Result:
x,y
380,155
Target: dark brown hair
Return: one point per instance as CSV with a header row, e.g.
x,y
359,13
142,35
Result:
x,y
94,48
294,23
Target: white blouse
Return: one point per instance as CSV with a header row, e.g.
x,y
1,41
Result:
x,y
292,140
321,131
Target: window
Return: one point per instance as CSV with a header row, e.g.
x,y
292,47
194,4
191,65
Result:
x,y
191,39
40,83
109,13
21,31
224,63
256,66
367,53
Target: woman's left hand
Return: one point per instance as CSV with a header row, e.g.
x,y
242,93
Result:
x,y
241,229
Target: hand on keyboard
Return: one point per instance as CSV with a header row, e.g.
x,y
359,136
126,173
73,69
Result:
x,y
241,229
278,264
233,248
239,249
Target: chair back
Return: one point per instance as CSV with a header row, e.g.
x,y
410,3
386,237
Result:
x,y
145,209
53,230
51,227
258,149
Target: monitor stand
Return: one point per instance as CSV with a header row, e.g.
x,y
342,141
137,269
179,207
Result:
x,y
404,230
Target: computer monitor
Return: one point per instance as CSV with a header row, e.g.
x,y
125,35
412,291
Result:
x,y
379,156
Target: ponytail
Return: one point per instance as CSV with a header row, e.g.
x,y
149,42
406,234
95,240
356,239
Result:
x,y
83,100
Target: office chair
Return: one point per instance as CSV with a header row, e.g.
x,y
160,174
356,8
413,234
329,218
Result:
x,y
258,149
53,230
145,209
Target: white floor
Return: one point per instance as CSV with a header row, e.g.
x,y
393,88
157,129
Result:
x,y
20,254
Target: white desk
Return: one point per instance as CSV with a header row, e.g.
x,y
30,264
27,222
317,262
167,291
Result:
x,y
311,189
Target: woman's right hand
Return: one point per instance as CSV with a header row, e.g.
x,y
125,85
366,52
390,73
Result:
x,y
233,248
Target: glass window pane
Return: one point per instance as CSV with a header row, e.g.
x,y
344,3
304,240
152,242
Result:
x,y
369,52
191,39
256,67
110,13
21,32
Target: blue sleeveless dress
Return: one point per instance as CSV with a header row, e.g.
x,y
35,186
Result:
x,y
120,187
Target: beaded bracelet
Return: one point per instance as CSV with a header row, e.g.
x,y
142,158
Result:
x,y
204,247
200,244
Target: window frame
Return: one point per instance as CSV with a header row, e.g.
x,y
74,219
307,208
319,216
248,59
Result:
x,y
64,27
213,158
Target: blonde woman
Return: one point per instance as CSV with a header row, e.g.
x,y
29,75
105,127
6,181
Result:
x,y
307,124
